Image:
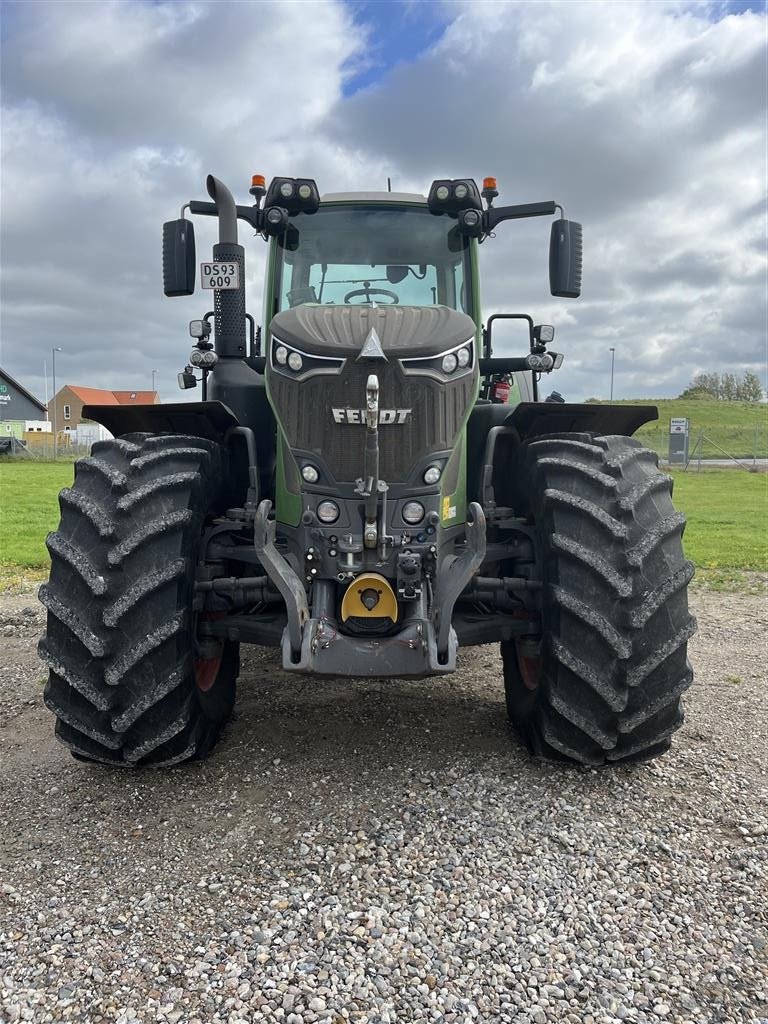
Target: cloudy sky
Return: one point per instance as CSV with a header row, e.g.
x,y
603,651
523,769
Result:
x,y
647,121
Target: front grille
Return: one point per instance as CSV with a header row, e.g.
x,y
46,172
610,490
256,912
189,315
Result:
x,y
305,410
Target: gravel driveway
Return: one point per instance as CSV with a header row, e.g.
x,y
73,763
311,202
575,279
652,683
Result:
x,y
386,851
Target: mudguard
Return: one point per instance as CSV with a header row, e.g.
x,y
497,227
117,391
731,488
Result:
x,y
211,420
530,419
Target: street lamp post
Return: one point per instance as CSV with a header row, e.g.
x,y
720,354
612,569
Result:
x,y
613,360
55,444
153,380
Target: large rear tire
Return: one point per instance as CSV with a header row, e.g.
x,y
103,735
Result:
x,y
606,682
120,641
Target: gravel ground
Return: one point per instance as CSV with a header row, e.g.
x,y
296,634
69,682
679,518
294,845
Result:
x,y
387,852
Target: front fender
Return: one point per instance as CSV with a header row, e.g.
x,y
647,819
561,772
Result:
x,y
211,420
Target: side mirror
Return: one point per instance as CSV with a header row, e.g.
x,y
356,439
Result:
x,y
179,257
565,259
396,274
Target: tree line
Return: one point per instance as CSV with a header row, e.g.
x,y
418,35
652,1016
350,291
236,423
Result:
x,y
725,387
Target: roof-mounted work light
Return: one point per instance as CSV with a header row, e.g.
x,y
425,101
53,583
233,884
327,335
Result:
x,y
451,196
296,195
470,223
275,220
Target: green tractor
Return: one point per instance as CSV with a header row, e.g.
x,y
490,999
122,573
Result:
x,y
366,487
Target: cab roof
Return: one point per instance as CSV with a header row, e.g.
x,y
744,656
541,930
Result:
x,y
374,197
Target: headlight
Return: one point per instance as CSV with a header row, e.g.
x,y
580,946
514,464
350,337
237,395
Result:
x,y
460,358
442,193
461,191
413,512
432,475
209,359
285,358
310,474
304,191
286,189
327,511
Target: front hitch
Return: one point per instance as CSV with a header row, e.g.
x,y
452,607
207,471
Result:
x,y
282,575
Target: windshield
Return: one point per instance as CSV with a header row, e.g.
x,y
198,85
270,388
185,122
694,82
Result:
x,y
384,254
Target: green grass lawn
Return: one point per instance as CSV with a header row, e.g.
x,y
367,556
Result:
x,y
29,509
727,512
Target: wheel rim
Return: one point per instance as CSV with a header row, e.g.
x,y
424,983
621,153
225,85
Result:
x,y
207,660
529,662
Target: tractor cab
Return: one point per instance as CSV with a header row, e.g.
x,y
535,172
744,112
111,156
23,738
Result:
x,y
360,248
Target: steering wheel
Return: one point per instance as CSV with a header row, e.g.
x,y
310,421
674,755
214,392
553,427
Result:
x,y
367,291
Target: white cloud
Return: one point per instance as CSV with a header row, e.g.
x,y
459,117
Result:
x,y
645,120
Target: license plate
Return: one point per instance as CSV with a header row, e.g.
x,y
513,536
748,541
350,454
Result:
x,y
220,275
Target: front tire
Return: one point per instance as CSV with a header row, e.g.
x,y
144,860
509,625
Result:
x,y
607,681
120,639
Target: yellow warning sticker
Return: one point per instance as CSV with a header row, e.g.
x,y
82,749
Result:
x,y
449,510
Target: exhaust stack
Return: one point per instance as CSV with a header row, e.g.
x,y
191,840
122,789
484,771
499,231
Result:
x,y
229,305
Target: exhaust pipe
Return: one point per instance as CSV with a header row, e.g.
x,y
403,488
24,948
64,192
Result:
x,y
229,305
225,203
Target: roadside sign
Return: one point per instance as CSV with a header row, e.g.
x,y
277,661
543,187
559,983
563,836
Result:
x,y
678,440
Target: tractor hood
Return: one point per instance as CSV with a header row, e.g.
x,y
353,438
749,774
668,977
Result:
x,y
403,331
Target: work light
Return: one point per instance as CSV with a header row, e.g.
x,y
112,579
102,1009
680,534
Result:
x,y
413,512
327,511
296,195
451,196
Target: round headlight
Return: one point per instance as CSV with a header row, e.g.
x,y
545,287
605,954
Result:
x,y
196,357
463,356
281,355
432,475
295,361
305,192
286,189
449,363
471,218
208,359
310,474
461,191
534,362
327,511
442,193
274,215
413,512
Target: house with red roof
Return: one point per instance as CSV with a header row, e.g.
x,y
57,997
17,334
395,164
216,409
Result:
x,y
66,407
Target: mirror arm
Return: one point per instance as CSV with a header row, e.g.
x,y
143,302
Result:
x,y
251,214
496,214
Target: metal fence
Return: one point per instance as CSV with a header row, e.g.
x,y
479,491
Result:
x,y
748,445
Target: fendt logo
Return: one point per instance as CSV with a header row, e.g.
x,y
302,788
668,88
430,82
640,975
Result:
x,y
358,415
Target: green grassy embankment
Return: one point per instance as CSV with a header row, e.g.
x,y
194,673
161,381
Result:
x,y
740,428
727,512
